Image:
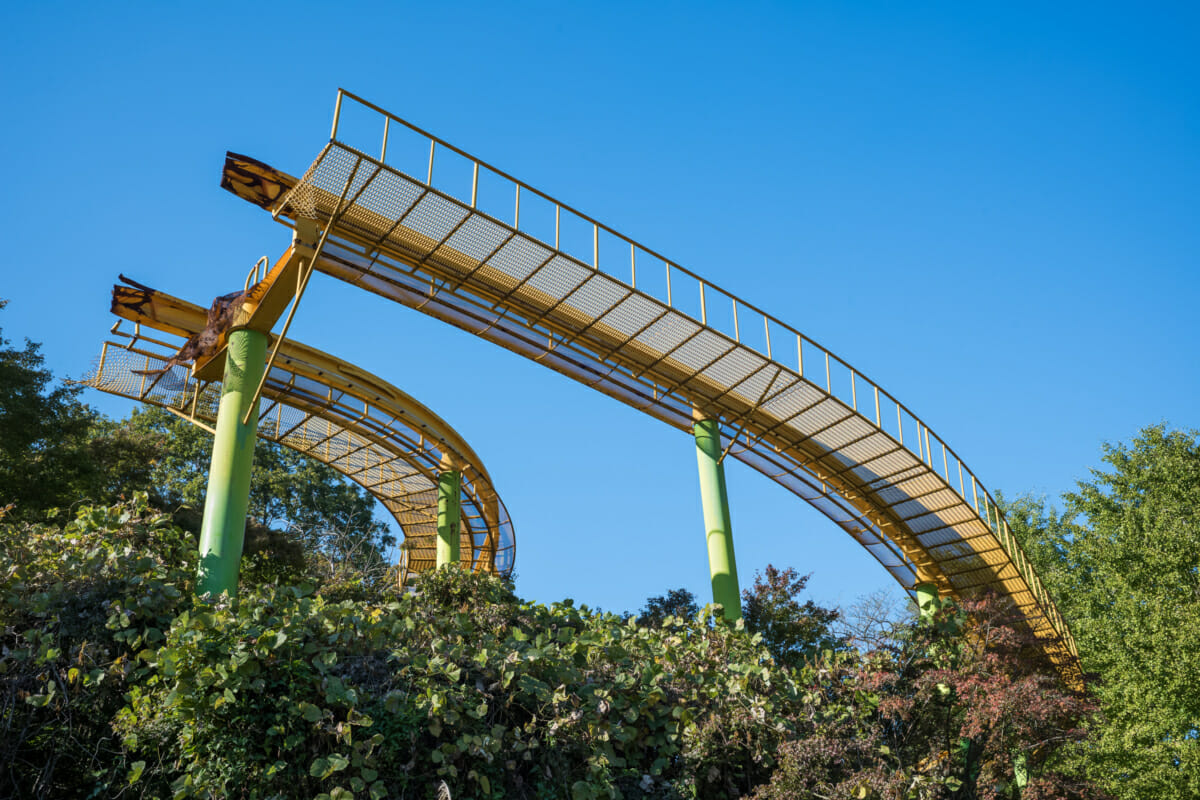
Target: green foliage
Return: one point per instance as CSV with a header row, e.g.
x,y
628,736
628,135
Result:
x,y
331,516
791,630
81,606
44,434
675,603
121,685
115,682
1122,562
290,693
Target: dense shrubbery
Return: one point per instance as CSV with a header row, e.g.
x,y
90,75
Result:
x,y
114,681
78,603
320,681
289,692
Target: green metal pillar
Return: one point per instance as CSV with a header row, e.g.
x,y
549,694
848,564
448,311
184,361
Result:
x,y
224,527
927,595
715,498
1021,771
449,517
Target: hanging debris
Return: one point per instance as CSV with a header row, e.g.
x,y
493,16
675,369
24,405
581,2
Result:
x,y
136,297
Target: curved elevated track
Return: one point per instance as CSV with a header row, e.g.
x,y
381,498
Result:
x,y
366,429
414,219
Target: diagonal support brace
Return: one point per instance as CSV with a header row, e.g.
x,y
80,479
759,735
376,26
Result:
x,y
306,271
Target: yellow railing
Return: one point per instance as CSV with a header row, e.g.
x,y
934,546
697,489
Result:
x,y
510,201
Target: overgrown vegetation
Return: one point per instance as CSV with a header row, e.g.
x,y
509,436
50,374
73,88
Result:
x,y
116,682
1123,563
323,681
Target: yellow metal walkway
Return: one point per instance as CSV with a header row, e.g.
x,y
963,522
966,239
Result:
x,y
541,279
366,429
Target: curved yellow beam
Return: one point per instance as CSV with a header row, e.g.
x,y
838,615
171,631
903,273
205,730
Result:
x,y
370,431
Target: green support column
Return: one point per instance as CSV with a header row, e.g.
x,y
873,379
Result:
x,y
1021,771
224,527
449,515
927,593
721,563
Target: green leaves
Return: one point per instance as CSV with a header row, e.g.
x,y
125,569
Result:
x,y
287,692
1122,564
324,767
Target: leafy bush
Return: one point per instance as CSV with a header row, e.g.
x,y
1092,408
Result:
x,y
78,604
288,694
115,682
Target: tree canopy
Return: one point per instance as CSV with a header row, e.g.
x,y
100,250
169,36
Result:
x,y
45,458
57,452
791,630
1122,560
675,603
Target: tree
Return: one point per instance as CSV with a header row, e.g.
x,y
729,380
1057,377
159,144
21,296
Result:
x,y
675,603
791,630
44,431
876,621
288,490
939,716
1122,562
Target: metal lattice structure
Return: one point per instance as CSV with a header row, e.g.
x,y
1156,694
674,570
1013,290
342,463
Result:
x,y
545,281
366,429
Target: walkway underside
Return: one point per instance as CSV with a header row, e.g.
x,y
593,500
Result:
x,y
366,429
787,407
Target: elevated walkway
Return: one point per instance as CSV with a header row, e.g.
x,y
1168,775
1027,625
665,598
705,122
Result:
x,y
538,278
366,429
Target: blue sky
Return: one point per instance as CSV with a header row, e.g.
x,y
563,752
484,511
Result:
x,y
992,211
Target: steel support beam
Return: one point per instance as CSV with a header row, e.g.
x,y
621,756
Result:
x,y
449,516
224,525
717,524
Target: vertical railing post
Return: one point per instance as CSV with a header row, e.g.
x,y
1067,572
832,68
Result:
x,y
717,524
449,516
223,529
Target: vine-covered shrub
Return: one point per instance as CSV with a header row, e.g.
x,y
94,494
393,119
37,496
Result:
x,y
287,694
115,682
82,606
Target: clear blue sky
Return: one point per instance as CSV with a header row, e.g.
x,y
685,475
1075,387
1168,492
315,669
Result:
x,y
992,211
